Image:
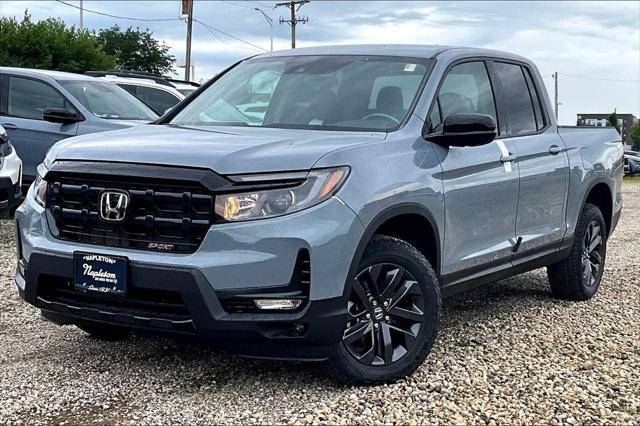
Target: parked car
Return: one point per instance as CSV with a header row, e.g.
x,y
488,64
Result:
x,y
631,163
39,108
10,175
378,180
156,92
183,86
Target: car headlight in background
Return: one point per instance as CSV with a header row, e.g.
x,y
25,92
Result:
x,y
318,186
40,190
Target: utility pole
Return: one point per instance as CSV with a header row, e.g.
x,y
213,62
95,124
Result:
x,y
555,102
188,4
270,21
81,17
294,6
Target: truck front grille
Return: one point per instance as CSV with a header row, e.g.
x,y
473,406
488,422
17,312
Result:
x,y
161,216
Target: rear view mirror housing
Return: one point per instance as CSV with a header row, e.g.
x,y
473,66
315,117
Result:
x,y
60,115
468,129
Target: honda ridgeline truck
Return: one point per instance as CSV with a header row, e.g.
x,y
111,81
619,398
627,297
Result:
x,y
319,203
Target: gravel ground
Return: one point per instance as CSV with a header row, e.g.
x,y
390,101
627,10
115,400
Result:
x,y
506,353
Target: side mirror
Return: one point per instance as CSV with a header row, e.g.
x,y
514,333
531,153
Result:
x,y
466,130
59,115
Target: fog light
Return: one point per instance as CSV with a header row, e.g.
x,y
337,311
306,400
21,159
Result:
x,y
278,304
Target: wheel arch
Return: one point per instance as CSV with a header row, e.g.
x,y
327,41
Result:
x,y
599,193
399,221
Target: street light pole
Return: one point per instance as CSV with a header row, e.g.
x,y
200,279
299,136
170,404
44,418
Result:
x,y
270,21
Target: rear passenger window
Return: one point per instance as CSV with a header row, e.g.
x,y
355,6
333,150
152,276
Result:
x,y
28,98
465,89
156,99
516,98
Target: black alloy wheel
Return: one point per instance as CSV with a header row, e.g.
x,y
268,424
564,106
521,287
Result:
x,y
386,312
592,255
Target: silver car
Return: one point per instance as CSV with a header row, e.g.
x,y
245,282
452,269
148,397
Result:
x,y
38,108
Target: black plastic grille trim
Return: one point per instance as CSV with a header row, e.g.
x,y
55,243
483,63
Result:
x,y
162,216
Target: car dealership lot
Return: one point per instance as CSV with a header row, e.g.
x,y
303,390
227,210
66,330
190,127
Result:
x,y
507,352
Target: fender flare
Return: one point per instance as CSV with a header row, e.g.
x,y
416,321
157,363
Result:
x,y
379,219
592,184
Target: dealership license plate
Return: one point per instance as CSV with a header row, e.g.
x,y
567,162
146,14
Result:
x,y
97,273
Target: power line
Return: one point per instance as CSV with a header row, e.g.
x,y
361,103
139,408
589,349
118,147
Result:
x,y
599,78
231,36
221,40
119,17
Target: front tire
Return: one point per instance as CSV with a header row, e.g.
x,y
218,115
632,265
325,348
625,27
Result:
x,y
578,276
393,314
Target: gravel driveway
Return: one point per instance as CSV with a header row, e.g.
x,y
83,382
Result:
x,y
506,353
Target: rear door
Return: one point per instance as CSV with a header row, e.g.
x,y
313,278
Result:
x,y
480,184
541,158
22,107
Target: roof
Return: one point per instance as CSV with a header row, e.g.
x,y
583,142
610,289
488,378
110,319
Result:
x,y
56,75
402,50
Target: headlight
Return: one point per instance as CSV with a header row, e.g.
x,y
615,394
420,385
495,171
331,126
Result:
x,y
319,185
40,190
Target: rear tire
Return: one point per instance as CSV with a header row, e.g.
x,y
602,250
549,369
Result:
x,y
105,332
393,314
578,276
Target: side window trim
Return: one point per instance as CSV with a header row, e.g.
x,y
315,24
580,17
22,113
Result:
x,y
68,103
436,102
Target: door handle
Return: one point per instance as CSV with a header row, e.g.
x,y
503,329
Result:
x,y
555,150
508,158
9,126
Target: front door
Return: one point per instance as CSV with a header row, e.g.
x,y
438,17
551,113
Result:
x,y
480,183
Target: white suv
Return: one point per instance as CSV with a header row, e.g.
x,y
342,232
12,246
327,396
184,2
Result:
x,y
10,175
157,93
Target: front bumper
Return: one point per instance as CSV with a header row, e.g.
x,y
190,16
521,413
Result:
x,y
235,259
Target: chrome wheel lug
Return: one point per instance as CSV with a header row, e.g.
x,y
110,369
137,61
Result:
x,y
376,326
368,316
387,319
385,304
375,303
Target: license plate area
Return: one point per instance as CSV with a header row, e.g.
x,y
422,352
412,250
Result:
x,y
100,274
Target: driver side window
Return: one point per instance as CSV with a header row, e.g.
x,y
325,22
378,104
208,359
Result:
x,y
465,89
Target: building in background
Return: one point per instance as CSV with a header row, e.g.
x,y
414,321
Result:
x,y
625,122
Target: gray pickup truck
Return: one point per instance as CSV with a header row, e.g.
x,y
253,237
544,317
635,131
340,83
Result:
x,y
319,203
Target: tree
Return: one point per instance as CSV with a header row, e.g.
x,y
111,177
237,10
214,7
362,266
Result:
x,y
136,50
635,136
613,120
50,44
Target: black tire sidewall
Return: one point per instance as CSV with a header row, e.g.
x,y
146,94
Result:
x,y
590,213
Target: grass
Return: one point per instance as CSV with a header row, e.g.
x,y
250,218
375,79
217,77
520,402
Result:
x,y
635,179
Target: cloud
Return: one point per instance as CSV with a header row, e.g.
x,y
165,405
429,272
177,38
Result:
x,y
593,39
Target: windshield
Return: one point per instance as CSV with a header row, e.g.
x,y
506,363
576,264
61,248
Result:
x,y
107,100
311,92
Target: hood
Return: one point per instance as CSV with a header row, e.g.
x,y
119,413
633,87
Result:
x,y
225,150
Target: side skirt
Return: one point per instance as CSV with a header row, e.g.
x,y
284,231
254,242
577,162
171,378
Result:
x,y
462,281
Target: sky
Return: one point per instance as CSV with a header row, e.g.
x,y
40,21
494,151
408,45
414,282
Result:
x,y
594,46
